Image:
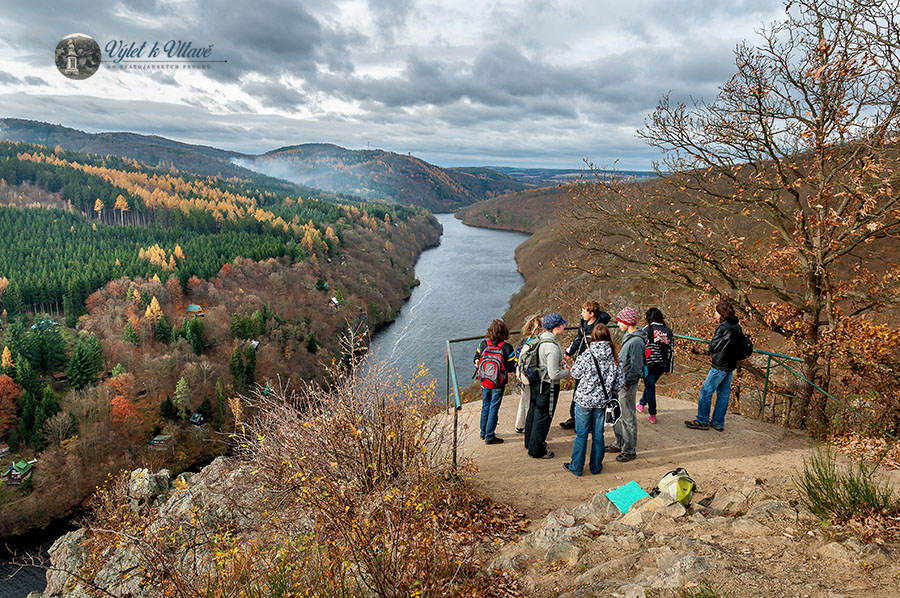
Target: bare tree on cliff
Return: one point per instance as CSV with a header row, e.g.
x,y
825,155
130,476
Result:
x,y
782,192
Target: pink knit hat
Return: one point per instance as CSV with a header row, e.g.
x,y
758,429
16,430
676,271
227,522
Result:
x,y
627,316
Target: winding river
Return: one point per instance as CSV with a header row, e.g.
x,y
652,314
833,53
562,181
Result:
x,y
466,282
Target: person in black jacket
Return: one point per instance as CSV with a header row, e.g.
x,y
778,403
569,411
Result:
x,y
723,348
496,336
658,359
590,315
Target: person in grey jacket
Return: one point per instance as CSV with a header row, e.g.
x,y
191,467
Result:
x,y
599,378
631,357
546,393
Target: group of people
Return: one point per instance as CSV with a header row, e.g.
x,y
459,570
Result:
x,y
605,376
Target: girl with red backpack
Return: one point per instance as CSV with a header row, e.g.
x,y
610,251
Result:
x,y
495,360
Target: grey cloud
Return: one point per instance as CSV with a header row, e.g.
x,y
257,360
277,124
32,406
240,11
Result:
x,y
164,78
425,133
36,81
275,95
9,78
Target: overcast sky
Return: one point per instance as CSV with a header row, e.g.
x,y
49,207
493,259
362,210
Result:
x,y
509,83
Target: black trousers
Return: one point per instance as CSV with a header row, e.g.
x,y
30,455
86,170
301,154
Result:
x,y
540,414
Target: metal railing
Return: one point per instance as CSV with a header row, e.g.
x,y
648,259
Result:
x,y
772,358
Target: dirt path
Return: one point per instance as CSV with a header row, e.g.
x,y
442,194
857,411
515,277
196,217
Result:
x,y
746,447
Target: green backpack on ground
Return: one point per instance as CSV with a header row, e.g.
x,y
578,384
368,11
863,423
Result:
x,y
677,484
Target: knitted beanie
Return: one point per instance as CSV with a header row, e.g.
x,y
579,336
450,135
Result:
x,y
627,316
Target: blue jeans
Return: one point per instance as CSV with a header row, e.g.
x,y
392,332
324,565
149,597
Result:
x,y
490,407
648,398
587,421
718,382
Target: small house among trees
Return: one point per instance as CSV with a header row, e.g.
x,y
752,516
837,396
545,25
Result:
x,y
163,442
18,473
195,310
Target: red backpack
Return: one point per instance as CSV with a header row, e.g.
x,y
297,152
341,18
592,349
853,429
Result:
x,y
491,370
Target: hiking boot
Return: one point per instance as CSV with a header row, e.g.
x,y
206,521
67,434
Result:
x,y
569,424
639,407
652,419
611,448
494,440
625,458
695,425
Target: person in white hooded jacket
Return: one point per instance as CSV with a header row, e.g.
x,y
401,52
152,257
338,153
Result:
x,y
600,377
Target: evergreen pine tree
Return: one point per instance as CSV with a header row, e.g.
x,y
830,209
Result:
x,y
95,349
12,301
46,346
182,399
119,369
25,375
194,335
206,409
82,369
167,410
163,330
237,368
131,335
250,367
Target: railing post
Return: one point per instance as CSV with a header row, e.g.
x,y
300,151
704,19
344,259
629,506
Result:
x,y
762,409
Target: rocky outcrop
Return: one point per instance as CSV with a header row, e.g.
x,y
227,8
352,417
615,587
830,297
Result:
x,y
215,496
739,539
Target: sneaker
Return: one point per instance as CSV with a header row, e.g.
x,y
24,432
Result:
x,y
652,419
695,425
569,424
611,448
639,407
719,428
566,467
625,458
520,430
494,440
547,455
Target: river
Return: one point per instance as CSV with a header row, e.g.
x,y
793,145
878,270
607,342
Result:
x,y
466,282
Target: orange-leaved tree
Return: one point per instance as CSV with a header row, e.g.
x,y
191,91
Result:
x,y
9,393
781,193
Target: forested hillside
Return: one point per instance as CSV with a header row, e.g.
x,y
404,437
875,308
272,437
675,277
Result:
x,y
379,174
319,169
133,298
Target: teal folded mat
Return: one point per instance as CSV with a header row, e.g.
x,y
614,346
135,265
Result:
x,y
625,496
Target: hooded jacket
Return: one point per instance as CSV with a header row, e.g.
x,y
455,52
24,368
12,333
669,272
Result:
x,y
722,345
589,393
631,355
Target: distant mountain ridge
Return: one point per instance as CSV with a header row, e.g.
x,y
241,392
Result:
x,y
370,174
378,173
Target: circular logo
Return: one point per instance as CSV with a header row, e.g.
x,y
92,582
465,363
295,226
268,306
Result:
x,y
77,56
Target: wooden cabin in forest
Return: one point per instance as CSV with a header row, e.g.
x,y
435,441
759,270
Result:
x,y
163,442
195,310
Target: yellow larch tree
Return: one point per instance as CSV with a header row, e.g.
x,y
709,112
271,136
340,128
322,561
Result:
x,y
154,311
6,361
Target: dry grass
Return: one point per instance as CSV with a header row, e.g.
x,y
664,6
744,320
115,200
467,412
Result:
x,y
344,492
